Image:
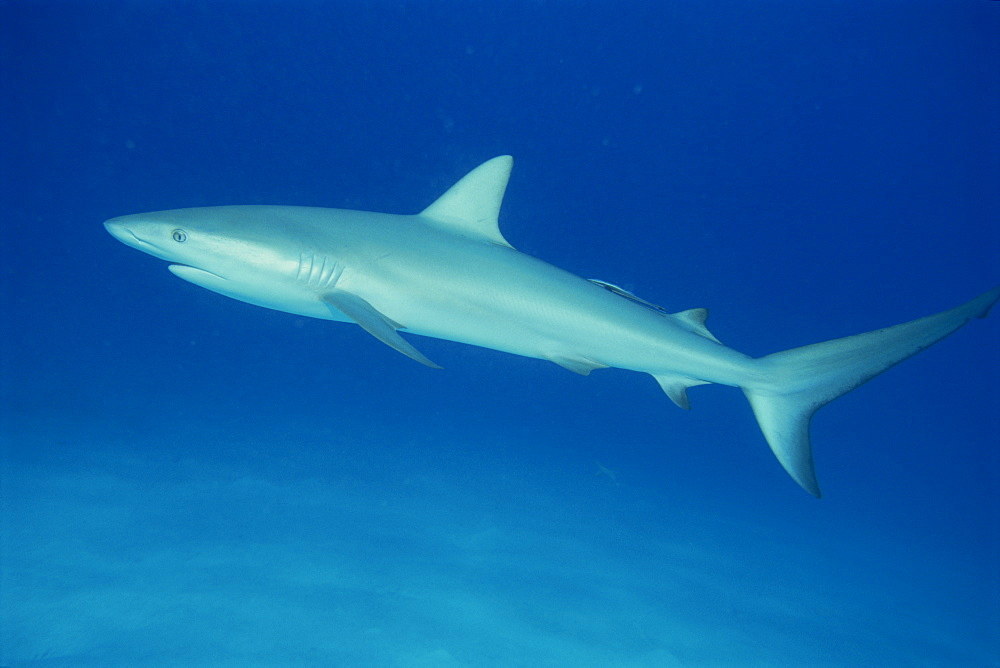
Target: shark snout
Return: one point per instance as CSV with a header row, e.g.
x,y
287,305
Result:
x,y
120,231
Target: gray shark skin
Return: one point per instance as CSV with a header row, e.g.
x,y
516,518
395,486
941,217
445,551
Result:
x,y
448,272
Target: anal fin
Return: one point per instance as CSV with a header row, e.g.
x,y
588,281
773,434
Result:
x,y
676,387
374,322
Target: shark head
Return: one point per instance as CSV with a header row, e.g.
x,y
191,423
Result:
x,y
218,248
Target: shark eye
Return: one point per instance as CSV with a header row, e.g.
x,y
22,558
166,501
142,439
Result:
x,y
180,236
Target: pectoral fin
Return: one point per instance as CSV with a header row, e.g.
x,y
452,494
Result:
x,y
373,322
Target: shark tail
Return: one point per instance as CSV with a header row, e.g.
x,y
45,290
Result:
x,y
795,383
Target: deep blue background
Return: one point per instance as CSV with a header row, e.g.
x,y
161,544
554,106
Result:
x,y
807,170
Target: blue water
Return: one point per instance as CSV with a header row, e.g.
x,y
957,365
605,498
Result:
x,y
190,480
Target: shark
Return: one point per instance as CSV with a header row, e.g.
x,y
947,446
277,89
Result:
x,y
448,272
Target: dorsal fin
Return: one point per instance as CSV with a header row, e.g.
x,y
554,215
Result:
x,y
695,319
471,207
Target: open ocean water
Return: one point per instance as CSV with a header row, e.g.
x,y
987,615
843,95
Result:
x,y
188,480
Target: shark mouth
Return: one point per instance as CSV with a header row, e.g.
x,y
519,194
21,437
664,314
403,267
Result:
x,y
129,238
194,274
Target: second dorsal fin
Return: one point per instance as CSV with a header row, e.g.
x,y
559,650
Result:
x,y
695,319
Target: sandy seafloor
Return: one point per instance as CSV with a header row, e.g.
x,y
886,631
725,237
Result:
x,y
192,481
475,552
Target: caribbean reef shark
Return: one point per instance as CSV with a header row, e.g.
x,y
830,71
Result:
x,y
448,272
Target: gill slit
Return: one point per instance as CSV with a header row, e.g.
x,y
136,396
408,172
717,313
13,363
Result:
x,y
319,272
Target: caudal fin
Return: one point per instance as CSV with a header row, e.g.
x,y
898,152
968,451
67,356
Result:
x,y
797,382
